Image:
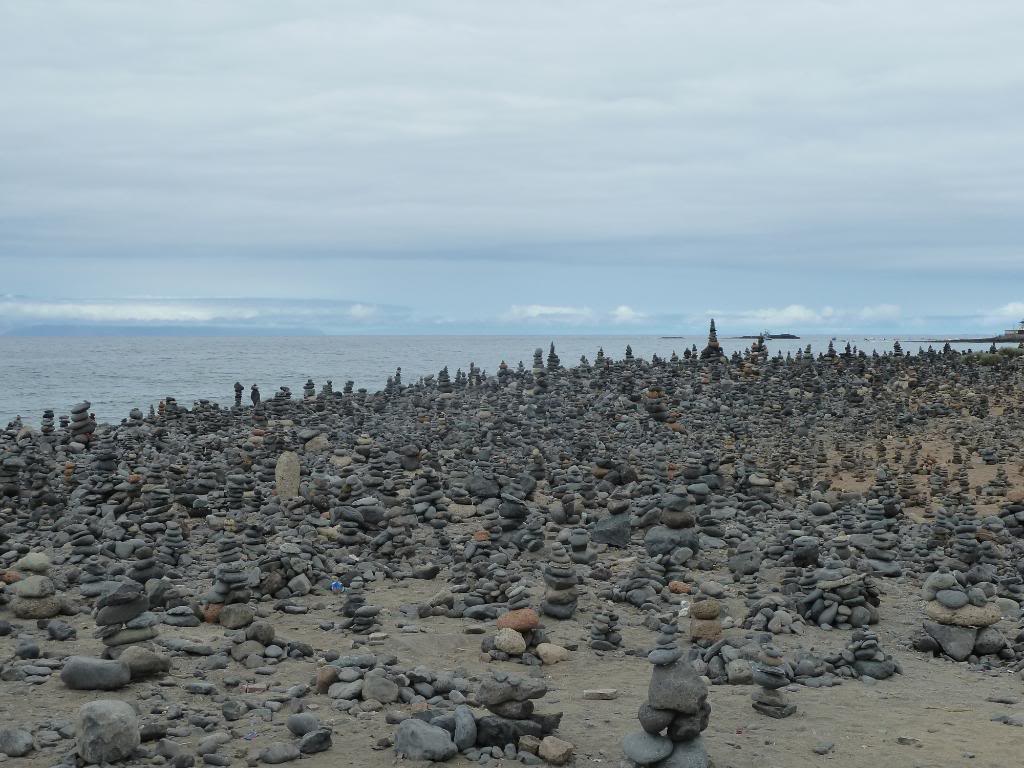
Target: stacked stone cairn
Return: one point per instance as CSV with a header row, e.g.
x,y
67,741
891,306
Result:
x,y
605,631
675,713
960,618
705,621
560,580
772,672
123,618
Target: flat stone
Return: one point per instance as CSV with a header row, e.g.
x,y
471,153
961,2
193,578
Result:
x,y
644,748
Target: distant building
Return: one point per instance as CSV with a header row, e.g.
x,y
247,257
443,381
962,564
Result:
x,y
1018,331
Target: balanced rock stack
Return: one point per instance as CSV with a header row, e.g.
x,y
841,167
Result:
x,y
614,530
772,672
560,578
677,529
605,632
81,425
510,700
35,598
961,617
705,624
579,547
231,581
123,618
675,713
361,618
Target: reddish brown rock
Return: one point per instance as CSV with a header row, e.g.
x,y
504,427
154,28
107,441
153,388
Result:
x,y
521,620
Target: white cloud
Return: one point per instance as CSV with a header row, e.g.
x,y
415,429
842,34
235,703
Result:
x,y
800,316
19,311
1012,312
549,313
881,312
625,314
362,311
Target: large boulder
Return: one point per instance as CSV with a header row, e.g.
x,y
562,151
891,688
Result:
x,y
108,731
956,642
286,475
417,740
613,530
967,616
84,673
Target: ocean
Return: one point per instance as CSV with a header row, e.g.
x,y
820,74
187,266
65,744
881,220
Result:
x,y
117,374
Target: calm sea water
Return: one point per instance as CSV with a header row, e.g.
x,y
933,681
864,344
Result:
x,y
119,373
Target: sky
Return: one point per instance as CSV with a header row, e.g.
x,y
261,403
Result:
x,y
457,166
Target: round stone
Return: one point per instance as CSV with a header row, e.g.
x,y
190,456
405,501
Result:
x,y
646,749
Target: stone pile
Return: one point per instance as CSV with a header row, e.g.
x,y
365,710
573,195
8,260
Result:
x,y
675,713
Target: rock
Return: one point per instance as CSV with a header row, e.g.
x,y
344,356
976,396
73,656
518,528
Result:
x,y
41,608
739,672
956,642
989,640
509,641
551,654
33,562
644,748
107,731
319,740
968,616
34,587
302,723
15,742
688,754
521,620
465,727
676,687
143,662
286,475
279,752
84,673
555,750
236,616
600,694
379,688
613,530
417,740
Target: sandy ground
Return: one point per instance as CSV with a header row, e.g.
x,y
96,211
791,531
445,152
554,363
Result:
x,y
937,706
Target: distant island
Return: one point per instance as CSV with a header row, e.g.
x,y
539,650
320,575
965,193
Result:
x,y
766,336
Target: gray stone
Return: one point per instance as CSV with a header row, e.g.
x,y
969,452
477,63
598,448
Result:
x,y
465,727
15,742
677,687
956,642
379,688
279,752
644,749
316,741
236,616
302,723
286,475
688,754
108,731
84,673
417,740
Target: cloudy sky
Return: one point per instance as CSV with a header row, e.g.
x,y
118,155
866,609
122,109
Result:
x,y
457,165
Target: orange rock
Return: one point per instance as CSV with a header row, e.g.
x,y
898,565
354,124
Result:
x,y
9,577
481,536
521,620
325,678
679,588
211,612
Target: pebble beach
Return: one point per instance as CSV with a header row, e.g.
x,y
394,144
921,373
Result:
x,y
719,557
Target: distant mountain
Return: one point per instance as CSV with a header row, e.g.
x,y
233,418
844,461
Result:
x,y
155,330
